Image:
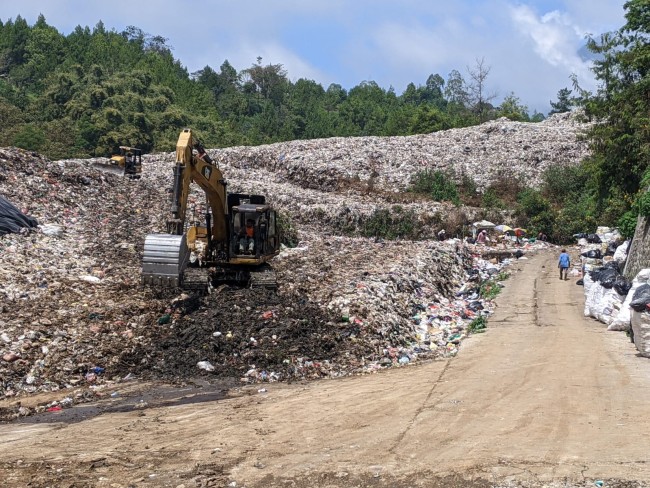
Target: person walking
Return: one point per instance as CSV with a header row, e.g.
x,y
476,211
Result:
x,y
563,263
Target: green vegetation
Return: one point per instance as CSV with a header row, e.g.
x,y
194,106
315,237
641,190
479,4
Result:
x,y
479,324
437,185
395,223
86,93
489,289
286,229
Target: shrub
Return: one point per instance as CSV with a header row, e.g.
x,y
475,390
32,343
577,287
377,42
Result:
x,y
286,229
574,218
561,182
627,224
391,224
489,289
437,185
643,203
479,324
491,200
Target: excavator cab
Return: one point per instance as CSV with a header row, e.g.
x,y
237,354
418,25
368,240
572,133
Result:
x,y
258,239
130,159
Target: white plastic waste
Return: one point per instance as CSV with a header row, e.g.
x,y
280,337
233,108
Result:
x,y
205,365
641,327
623,318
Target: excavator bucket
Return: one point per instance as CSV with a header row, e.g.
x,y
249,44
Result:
x,y
165,259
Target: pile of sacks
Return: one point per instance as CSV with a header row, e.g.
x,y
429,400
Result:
x,y
609,296
602,260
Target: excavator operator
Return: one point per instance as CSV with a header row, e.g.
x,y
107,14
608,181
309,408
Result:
x,y
247,237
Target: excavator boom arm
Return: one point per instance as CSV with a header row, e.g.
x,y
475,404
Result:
x,y
198,168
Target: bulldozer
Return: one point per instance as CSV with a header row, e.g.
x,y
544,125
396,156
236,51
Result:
x,y
130,160
233,243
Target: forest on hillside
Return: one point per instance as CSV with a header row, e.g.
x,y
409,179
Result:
x,y
86,93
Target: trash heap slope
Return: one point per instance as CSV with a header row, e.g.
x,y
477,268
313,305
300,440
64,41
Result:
x,y
497,149
74,313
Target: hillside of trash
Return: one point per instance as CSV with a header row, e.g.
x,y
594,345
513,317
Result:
x,y
75,319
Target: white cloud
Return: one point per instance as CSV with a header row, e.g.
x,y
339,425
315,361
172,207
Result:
x,y
555,37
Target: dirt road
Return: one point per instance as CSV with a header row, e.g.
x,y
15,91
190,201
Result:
x,y
545,396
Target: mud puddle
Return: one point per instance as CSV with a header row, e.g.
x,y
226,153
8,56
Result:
x,y
153,397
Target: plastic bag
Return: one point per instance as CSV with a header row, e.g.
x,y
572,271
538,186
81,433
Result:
x,y
622,320
12,219
621,252
622,285
611,248
594,254
641,298
607,276
593,239
640,323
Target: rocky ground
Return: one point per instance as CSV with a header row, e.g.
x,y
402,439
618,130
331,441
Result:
x,y
75,318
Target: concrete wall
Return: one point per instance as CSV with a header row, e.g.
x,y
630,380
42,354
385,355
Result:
x,y
639,254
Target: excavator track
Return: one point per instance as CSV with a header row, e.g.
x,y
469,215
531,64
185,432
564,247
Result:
x,y
196,279
263,277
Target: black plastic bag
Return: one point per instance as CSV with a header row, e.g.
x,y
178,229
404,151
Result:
x,y
641,298
611,248
613,265
622,285
580,282
593,239
595,274
12,219
594,253
607,277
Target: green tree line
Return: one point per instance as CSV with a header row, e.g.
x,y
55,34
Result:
x,y
86,93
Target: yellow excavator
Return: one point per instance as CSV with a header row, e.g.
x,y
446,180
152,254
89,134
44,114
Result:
x,y
130,160
234,243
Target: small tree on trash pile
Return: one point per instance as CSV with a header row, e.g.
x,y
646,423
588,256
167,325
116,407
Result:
x,y
286,229
437,185
468,191
490,200
395,223
535,212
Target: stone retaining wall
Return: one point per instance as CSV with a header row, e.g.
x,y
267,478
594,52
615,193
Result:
x,y
639,255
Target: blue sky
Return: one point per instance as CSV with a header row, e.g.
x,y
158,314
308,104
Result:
x,y
530,46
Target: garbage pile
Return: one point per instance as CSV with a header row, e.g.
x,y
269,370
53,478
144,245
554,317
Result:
x,y
333,213
344,306
609,296
73,313
494,150
69,290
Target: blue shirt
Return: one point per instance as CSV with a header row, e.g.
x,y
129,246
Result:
x,y
564,260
